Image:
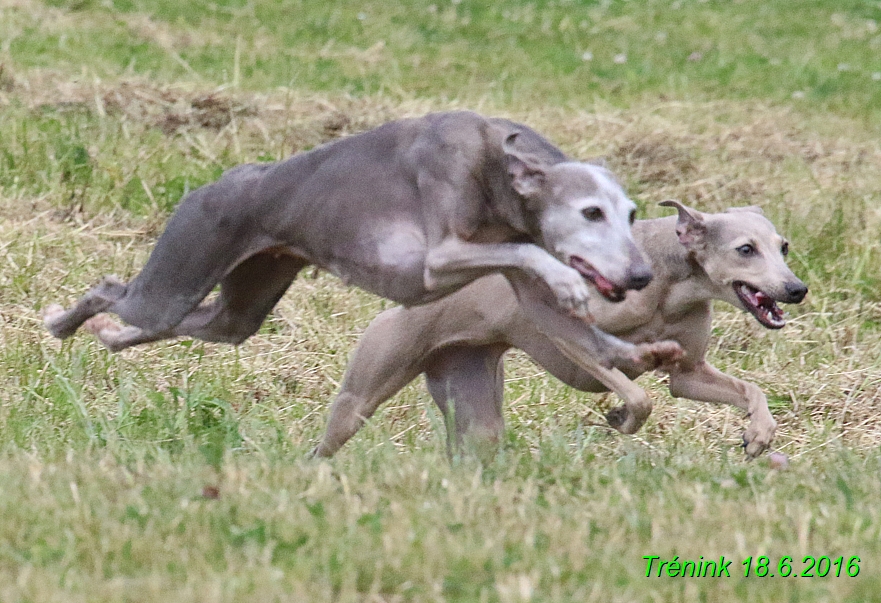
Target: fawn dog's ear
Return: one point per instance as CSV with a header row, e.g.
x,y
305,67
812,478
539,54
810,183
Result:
x,y
690,227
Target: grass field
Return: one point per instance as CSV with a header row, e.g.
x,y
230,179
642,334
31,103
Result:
x,y
178,471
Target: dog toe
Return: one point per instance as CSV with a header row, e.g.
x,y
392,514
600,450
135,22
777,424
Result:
x,y
668,354
97,324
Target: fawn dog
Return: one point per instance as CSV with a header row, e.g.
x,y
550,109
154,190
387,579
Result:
x,y
458,342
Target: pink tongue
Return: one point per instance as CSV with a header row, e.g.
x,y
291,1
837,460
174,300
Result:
x,y
761,298
603,284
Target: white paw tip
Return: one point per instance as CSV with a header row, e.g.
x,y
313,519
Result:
x,y
51,311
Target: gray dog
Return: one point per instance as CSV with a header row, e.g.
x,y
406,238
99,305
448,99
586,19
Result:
x,y
736,256
412,211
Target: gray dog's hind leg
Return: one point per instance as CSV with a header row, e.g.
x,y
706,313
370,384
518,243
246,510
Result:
x,y
467,384
101,298
247,295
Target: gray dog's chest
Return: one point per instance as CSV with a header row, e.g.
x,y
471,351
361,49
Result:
x,y
386,257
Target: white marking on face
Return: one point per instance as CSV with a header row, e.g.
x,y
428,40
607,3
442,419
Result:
x,y
610,197
605,241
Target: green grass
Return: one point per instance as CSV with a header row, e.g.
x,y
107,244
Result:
x,y
178,471
512,52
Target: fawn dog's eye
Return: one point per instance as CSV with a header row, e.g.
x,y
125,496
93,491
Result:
x,y
785,249
632,217
746,250
593,214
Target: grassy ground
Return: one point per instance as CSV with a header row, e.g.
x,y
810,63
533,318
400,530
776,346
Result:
x,y
177,471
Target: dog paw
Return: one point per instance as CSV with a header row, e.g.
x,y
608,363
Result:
x,y
571,291
107,331
100,323
624,420
52,315
663,355
758,436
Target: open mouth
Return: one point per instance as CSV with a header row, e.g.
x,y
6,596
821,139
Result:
x,y
760,305
607,288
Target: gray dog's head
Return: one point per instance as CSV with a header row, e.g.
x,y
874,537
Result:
x,y
744,257
583,218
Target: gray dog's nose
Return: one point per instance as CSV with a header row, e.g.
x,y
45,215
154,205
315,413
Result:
x,y
639,278
796,292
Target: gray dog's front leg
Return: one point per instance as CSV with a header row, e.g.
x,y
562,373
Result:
x,y
455,263
537,305
594,347
598,353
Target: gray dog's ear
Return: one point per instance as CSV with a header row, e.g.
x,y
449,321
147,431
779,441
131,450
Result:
x,y
750,208
690,227
508,144
527,172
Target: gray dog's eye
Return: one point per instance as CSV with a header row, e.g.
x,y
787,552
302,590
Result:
x,y
593,214
785,249
632,217
746,250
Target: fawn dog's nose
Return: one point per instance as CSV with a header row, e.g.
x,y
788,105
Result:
x,y
796,291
